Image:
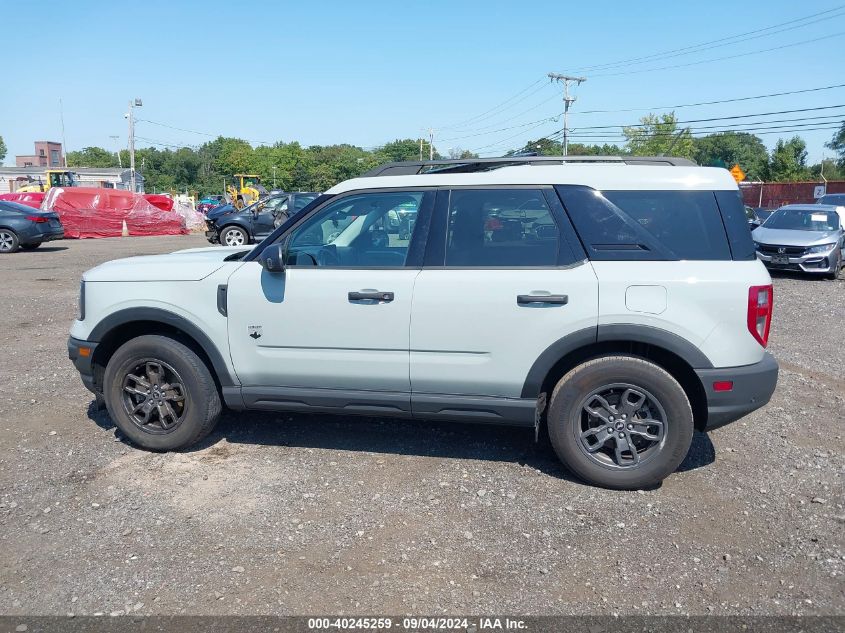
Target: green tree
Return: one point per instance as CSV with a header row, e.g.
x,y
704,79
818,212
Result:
x,y
789,161
91,157
579,149
833,170
406,149
837,144
2,150
733,148
658,135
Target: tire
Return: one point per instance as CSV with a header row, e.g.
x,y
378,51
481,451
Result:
x,y
834,274
596,458
177,365
9,242
30,247
234,236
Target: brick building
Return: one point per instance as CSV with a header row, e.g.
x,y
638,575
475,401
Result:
x,y
47,154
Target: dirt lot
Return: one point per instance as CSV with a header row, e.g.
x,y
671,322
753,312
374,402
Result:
x,y
312,514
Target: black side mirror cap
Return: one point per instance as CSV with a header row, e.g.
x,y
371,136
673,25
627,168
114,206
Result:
x,y
273,258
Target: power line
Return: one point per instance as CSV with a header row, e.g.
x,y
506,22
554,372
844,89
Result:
x,y
504,129
725,41
718,118
718,59
703,103
497,107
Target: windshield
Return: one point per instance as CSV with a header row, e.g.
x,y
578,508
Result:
x,y
803,220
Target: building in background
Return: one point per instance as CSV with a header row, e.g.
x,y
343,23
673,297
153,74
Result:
x,y
12,178
47,154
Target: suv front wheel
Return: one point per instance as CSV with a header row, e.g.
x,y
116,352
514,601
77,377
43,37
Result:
x,y
234,236
160,394
620,422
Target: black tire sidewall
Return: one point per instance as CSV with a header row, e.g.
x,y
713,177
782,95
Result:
x,y
197,386
576,385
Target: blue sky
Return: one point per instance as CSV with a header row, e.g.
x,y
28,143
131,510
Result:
x,y
368,72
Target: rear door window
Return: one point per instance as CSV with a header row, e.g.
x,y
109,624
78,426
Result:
x,y
647,225
501,228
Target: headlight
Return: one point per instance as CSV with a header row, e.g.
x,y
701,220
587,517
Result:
x,y
82,301
757,246
821,248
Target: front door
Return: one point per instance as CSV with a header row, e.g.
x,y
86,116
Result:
x,y
338,318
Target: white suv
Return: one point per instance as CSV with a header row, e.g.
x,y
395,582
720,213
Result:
x,y
617,302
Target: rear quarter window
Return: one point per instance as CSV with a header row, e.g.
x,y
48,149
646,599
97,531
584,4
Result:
x,y
648,225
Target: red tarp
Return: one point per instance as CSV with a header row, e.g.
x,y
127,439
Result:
x,y
32,199
91,212
163,202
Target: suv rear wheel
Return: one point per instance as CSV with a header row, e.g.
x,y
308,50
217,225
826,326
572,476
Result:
x,y
160,394
620,422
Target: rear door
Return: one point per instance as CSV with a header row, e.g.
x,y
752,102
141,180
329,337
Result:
x,y
505,277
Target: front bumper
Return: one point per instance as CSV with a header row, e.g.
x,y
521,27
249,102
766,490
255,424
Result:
x,y
83,361
753,386
814,263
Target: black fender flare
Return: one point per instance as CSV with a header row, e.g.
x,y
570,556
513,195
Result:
x,y
628,333
159,315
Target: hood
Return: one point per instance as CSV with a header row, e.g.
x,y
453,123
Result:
x,y
790,237
223,209
192,264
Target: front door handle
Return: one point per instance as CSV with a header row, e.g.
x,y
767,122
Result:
x,y
553,299
372,295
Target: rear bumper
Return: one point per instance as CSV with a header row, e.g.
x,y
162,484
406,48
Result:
x,y
83,361
753,386
41,233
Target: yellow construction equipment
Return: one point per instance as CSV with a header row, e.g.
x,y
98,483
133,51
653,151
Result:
x,y
54,178
247,191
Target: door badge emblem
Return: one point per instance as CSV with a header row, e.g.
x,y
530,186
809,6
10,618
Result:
x,y
254,331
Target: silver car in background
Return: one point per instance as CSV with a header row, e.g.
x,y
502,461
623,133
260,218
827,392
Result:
x,y
803,237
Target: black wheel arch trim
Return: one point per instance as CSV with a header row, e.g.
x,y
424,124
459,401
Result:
x,y
628,333
171,319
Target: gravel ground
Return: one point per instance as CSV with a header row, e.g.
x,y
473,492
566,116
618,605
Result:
x,y
316,514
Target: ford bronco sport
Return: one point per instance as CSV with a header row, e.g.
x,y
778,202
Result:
x,y
615,303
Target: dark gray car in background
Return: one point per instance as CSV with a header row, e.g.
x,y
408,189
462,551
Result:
x,y
805,238
27,228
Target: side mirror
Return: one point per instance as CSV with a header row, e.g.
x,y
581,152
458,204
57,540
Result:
x,y
273,258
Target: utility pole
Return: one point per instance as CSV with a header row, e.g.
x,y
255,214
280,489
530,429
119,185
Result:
x,y
131,116
116,140
567,101
421,144
430,143
64,144
274,176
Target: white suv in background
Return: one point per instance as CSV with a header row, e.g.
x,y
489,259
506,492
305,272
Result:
x,y
617,302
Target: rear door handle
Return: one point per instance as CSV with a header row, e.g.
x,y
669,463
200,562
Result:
x,y
554,299
372,295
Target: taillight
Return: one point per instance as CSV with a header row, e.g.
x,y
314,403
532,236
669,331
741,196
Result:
x,y
760,313
38,219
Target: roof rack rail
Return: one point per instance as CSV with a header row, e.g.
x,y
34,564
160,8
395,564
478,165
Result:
x,y
470,165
